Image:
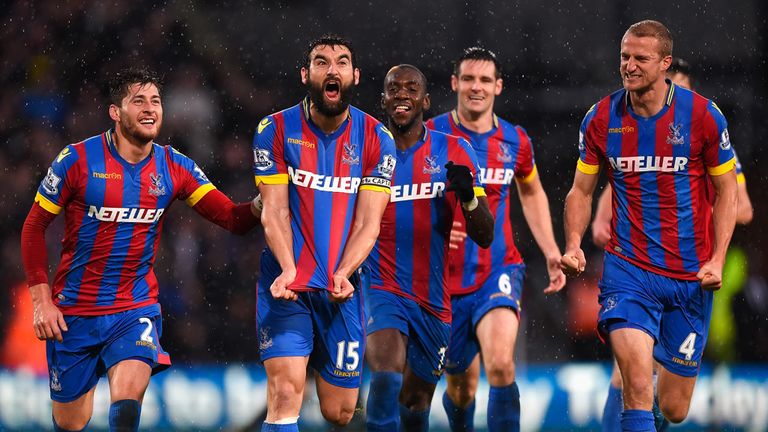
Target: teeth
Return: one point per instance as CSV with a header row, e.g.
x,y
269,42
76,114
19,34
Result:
x,y
147,121
401,108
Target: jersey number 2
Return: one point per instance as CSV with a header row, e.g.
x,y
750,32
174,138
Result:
x,y
145,334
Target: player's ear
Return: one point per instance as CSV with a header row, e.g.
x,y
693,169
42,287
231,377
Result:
x,y
304,75
114,112
357,76
426,103
666,62
499,86
454,82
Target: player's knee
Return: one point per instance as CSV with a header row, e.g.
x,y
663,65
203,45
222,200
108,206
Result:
x,y
70,423
674,410
338,414
461,395
500,369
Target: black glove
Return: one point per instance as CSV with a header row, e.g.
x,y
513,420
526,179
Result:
x,y
460,181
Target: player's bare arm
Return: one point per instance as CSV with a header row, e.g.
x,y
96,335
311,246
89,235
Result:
x,y
745,211
601,224
535,205
578,210
365,230
276,220
724,219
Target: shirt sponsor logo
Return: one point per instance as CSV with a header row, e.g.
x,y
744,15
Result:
x,y
51,182
648,163
417,191
301,142
323,183
122,214
496,175
107,176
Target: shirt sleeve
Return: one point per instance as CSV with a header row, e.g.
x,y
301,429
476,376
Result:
x,y
379,160
589,155
59,182
192,183
718,152
268,154
525,166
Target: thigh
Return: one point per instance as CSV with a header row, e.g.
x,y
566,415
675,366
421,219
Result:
x,y
684,327
339,343
283,328
497,333
385,350
673,389
128,379
427,344
335,399
627,299
134,335
74,365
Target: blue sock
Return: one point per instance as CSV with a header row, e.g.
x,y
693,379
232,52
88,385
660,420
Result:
x,y
124,415
504,409
614,405
460,419
271,427
382,414
637,421
57,428
413,421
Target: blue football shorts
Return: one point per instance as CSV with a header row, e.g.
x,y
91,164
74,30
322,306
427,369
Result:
x,y
93,344
427,334
332,335
674,312
502,289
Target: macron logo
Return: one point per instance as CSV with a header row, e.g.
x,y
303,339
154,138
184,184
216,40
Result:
x,y
649,163
119,214
323,183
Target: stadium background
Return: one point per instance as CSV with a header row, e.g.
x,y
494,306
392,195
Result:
x,y
227,64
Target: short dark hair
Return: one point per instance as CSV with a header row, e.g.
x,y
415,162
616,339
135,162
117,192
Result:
x,y
328,39
477,53
654,29
680,66
120,82
421,75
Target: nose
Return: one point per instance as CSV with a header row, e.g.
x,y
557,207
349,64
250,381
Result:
x,y
475,85
332,69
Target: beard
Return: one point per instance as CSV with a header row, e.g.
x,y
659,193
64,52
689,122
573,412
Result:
x,y
330,109
134,130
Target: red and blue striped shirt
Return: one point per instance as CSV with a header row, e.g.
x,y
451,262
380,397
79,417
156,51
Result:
x,y
504,153
410,255
323,174
114,212
659,167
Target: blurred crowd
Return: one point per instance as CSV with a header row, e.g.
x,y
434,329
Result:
x,y
55,55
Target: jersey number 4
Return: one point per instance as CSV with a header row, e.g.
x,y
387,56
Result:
x,y
687,347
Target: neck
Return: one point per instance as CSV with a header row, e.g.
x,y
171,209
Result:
x,y
327,124
130,149
408,137
648,102
476,122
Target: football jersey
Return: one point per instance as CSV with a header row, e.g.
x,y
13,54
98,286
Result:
x,y
113,212
410,255
659,167
324,173
504,154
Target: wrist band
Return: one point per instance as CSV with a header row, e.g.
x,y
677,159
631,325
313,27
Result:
x,y
257,203
470,205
